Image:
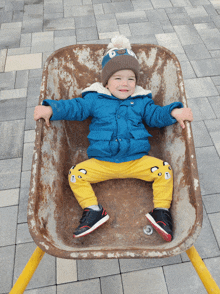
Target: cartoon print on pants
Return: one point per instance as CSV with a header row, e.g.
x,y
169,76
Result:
x,y
73,177
162,171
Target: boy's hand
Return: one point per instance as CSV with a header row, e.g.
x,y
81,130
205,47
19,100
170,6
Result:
x,y
44,112
182,114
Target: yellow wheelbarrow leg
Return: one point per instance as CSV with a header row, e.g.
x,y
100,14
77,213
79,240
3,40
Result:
x,y
28,271
202,271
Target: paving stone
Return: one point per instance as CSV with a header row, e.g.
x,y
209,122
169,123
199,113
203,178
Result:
x,y
171,42
12,109
7,80
107,26
212,203
66,271
34,9
187,70
86,34
105,16
215,102
150,279
30,122
198,14
206,244
70,11
53,8
201,108
59,24
182,279
13,94
11,137
19,51
23,62
161,3
44,274
145,28
85,21
91,286
130,17
211,38
200,134
24,195
25,40
98,9
213,128
198,51
5,16
6,271
108,35
88,269
216,80
208,163
51,16
179,19
124,30
214,219
158,15
21,79
32,24
202,87
61,42
35,73
10,172
23,235
29,136
118,7
188,34
111,285
34,85
149,39
181,3
142,5
8,220
206,67
42,42
45,290
3,55
27,156
199,2
210,9
9,197
213,267
128,265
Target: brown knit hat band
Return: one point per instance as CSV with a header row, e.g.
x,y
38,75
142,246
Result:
x,y
117,63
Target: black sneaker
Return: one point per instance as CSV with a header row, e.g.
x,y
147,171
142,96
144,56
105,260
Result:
x,y
161,220
91,220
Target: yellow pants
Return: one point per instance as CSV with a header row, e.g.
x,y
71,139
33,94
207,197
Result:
x,y
147,168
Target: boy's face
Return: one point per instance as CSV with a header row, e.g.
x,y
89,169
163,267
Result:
x,y
122,83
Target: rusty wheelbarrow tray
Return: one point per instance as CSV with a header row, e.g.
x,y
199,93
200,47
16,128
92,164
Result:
x,y
53,212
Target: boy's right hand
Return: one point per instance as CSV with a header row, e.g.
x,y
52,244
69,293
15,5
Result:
x,y
44,112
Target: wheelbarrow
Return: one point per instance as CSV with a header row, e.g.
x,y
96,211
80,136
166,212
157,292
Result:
x,y
53,212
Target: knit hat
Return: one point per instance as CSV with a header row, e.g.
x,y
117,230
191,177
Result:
x,y
119,57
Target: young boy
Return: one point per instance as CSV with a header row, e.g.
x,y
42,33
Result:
x,y
119,143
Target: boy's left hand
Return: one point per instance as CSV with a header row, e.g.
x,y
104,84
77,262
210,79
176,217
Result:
x,y
182,114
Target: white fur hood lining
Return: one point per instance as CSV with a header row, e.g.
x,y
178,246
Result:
x,y
98,87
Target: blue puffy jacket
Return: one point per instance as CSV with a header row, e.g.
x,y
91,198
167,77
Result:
x,y
117,132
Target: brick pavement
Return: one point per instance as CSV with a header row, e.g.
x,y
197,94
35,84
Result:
x,y
30,31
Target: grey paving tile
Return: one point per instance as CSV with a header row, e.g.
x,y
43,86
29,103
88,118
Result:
x,y
45,273
109,25
128,265
85,21
88,269
59,24
142,5
30,122
145,28
12,109
24,194
158,15
215,102
212,203
213,266
21,79
45,290
6,271
91,286
206,67
213,128
70,11
206,244
131,17
8,220
201,108
216,80
198,14
7,80
25,40
117,7
27,156
5,16
210,9
179,19
32,24
10,38
161,3
200,2
51,16
171,42
181,3
209,177
150,279
85,34
182,279
211,38
200,87
23,235
187,70
124,29
29,136
187,34
42,42
200,134
11,137
111,285
34,85
53,8
196,51
10,173
216,20
214,219
9,197
60,42
98,9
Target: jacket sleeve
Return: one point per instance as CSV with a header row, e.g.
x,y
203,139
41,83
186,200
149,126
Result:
x,y
158,116
73,109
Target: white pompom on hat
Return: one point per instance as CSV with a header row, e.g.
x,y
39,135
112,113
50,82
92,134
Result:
x,y
119,57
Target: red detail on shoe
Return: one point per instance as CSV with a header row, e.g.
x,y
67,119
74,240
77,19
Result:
x,y
161,222
167,237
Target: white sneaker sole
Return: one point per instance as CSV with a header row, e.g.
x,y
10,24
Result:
x,y
93,228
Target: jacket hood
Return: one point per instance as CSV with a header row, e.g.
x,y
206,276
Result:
x,y
99,88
